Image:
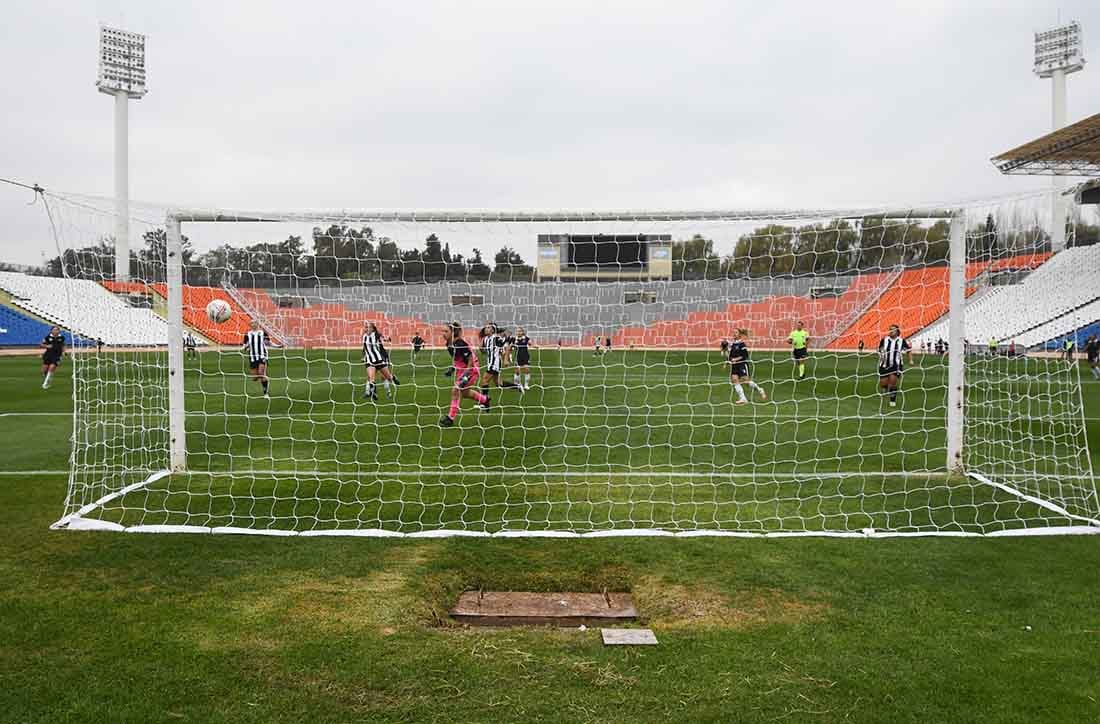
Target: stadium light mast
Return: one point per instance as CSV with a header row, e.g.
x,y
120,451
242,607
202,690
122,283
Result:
x,y
122,75
1057,54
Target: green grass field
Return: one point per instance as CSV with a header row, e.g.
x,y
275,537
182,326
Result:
x,y
120,627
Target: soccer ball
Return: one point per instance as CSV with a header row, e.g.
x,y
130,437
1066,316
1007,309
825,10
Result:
x,y
219,311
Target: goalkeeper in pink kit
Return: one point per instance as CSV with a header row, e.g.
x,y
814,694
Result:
x,y
466,372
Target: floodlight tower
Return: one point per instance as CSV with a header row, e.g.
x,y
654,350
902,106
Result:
x,y
122,75
1057,54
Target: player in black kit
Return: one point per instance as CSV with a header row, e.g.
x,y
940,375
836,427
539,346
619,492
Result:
x,y
738,357
1092,352
54,342
522,345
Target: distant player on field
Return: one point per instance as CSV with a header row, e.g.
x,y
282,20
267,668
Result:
x,y
890,366
190,344
1068,348
417,343
597,349
255,345
54,342
799,340
465,369
739,367
1092,351
377,360
522,344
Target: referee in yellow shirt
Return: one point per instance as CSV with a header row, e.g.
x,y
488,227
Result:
x,y
799,340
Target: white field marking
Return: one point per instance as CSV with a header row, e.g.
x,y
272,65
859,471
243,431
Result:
x,y
510,473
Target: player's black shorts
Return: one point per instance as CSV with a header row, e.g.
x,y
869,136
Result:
x,y
51,358
741,369
523,358
887,370
801,353
255,364
1093,357
378,365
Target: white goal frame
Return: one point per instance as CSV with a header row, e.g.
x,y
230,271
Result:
x,y
955,422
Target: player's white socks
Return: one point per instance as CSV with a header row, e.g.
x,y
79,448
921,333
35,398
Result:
x,y
740,391
386,386
46,382
756,388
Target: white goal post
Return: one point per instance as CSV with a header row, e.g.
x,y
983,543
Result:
x,y
654,440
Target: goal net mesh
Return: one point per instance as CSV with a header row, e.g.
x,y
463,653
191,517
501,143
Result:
x,y
625,419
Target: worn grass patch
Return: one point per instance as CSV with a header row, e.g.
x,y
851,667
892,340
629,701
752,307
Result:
x,y
671,606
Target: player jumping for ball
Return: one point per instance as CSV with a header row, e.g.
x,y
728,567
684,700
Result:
x,y
890,351
54,342
492,345
255,343
465,369
738,357
799,340
377,360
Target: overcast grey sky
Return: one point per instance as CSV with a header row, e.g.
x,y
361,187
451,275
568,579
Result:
x,y
365,104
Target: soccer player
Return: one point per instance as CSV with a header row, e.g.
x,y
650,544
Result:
x,y
54,342
739,367
465,368
255,343
597,349
522,344
492,345
799,340
377,360
1067,348
190,344
890,351
417,343
607,344
1092,351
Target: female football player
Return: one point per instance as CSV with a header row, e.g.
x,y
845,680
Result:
x,y
377,360
54,342
465,369
739,367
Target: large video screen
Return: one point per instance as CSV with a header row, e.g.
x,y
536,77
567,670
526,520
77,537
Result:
x,y
610,251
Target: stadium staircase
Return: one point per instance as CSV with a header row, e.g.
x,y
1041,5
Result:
x,y
917,299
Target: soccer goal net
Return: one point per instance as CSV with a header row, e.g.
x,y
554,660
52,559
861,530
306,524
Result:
x,y
868,372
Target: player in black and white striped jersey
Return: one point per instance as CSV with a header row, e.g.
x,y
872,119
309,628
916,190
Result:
x,y
492,347
891,349
255,344
377,360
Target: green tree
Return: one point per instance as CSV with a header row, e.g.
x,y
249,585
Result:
x,y
695,258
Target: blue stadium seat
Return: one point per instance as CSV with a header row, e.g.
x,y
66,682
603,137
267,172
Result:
x,y
1080,335
19,330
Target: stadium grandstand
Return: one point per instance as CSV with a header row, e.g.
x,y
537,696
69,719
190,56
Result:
x,y
840,310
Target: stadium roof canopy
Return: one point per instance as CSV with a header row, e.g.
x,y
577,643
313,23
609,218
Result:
x,y
1070,151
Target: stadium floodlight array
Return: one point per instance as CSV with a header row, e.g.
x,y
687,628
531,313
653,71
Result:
x,y
643,439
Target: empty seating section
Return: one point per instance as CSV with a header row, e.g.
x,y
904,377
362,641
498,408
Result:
x,y
1051,301
19,330
85,308
195,300
1061,296
917,299
769,320
327,324
1080,336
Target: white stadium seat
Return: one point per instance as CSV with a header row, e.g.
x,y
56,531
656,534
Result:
x,y
1056,298
85,308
